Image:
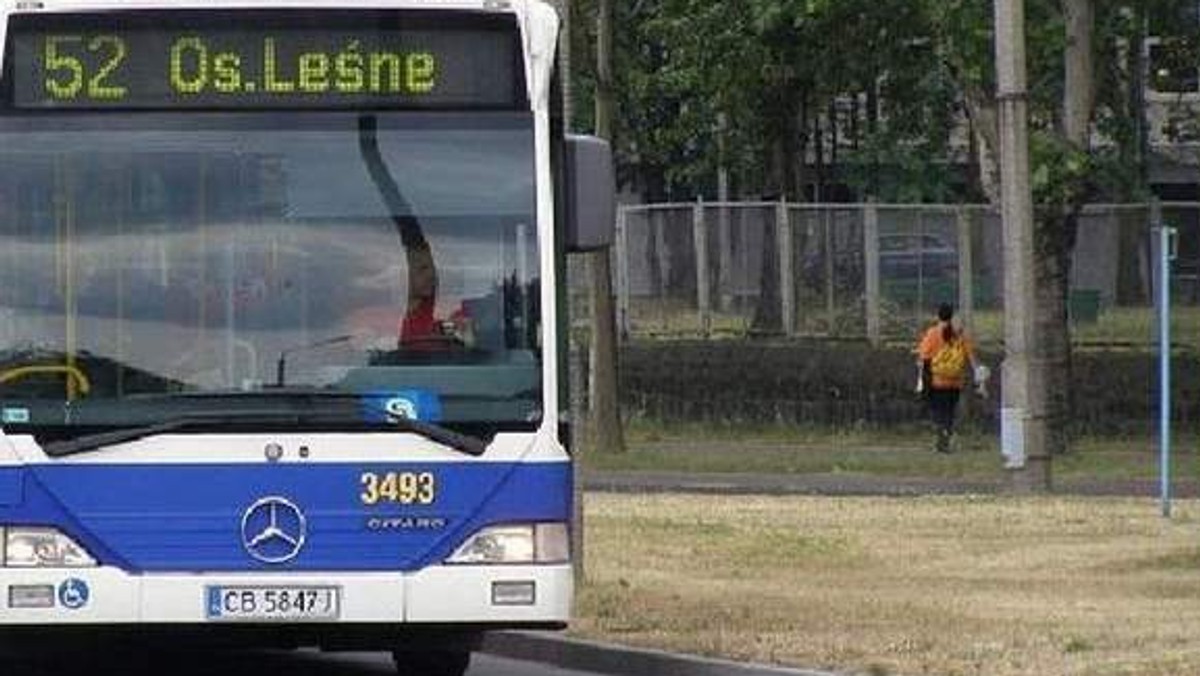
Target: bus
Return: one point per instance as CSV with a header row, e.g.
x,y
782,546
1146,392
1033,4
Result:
x,y
282,346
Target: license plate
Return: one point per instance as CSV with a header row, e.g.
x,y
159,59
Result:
x,y
272,603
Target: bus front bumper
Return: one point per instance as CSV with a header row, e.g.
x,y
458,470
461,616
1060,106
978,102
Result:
x,y
508,595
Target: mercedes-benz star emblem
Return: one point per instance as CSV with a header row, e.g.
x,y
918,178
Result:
x,y
273,530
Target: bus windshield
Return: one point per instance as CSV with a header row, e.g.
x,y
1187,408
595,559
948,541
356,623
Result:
x,y
151,257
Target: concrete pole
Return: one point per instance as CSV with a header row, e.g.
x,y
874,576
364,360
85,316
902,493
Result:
x,y
1023,407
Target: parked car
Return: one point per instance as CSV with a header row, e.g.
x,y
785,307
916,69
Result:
x,y
911,255
902,256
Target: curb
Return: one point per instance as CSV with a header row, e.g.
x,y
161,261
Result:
x,y
839,485
850,485
556,649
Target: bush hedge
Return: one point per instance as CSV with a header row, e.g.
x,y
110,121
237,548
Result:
x,y
843,384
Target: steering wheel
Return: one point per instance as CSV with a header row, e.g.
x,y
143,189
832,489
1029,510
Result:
x,y
73,373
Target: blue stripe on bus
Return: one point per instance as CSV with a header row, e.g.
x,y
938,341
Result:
x,y
10,486
158,518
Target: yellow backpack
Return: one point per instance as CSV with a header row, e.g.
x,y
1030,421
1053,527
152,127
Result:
x,y
950,362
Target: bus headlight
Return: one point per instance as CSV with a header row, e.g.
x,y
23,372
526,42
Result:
x,y
26,547
516,543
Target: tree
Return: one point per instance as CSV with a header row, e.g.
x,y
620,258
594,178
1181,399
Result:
x,y
1083,134
606,427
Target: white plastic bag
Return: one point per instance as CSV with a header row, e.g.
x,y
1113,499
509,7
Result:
x,y
981,376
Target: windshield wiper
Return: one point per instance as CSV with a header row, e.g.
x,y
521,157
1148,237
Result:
x,y
91,442
442,435
436,433
216,419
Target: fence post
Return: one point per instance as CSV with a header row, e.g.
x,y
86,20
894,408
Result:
x,y
830,249
871,265
787,284
725,257
622,254
700,241
966,270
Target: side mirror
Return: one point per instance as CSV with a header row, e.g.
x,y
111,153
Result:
x,y
591,194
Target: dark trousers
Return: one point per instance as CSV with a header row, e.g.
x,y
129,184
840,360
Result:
x,y
942,404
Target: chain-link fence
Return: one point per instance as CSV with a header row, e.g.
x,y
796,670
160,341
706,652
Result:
x,y
876,271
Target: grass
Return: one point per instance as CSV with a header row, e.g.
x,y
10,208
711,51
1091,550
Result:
x,y
1120,326
902,452
937,585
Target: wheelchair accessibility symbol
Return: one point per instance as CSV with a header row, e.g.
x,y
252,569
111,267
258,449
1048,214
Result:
x,y
73,593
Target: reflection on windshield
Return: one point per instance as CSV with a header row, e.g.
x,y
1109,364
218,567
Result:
x,y
418,324
387,253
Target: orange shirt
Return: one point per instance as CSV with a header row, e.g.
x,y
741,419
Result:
x,y
932,342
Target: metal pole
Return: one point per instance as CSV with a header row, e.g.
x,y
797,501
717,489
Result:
x,y
1165,254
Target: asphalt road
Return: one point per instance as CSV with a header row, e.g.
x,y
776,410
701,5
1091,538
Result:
x,y
300,663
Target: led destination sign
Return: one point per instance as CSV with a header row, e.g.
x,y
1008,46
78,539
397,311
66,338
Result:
x,y
164,62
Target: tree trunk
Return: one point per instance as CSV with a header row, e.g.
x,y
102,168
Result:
x,y
605,424
1054,240
768,315
1079,93
1057,225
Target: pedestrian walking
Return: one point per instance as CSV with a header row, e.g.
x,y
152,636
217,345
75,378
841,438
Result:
x,y
944,354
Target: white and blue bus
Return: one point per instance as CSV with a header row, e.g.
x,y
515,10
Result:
x,y
281,356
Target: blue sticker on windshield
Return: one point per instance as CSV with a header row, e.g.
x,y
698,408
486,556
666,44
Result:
x,y
14,416
412,404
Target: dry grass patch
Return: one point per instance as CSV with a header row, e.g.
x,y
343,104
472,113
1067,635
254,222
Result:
x,y
938,585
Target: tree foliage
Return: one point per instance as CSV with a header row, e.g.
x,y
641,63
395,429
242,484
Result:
x,y
889,90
